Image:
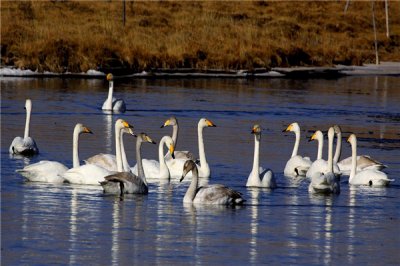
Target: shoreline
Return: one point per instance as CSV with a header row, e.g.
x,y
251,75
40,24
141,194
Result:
x,y
383,69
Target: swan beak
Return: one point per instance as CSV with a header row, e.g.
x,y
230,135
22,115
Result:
x,y
180,180
166,123
87,130
171,151
289,128
127,125
148,139
210,124
110,77
312,138
130,131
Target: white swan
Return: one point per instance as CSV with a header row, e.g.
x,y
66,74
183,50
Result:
x,y
367,177
258,176
111,103
157,169
211,194
184,155
126,182
175,166
91,174
326,182
26,145
320,165
109,161
51,171
363,161
296,165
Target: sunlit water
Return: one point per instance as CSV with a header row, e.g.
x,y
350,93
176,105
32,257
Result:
x,y
78,225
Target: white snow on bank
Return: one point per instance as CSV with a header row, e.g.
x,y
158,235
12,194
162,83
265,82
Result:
x,y
13,72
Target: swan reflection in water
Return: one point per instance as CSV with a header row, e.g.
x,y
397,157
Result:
x,y
254,202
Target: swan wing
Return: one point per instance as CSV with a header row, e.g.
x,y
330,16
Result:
x,y
151,168
88,174
268,179
107,161
119,105
218,194
44,171
23,146
371,177
132,183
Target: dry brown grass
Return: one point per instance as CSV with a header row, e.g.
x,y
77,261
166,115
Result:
x,y
76,36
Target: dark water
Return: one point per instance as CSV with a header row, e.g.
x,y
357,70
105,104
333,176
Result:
x,y
69,224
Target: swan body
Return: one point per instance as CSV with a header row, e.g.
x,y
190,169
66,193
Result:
x,y
258,176
25,145
366,177
363,161
111,103
109,161
296,165
184,155
211,194
91,174
51,171
157,169
126,182
326,182
44,171
320,165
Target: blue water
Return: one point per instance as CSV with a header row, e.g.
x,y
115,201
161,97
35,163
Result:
x,y
70,224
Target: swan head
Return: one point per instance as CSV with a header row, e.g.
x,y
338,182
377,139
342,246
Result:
x,y
187,167
121,123
317,136
28,105
331,133
352,139
337,129
82,129
110,77
256,130
292,127
204,122
143,137
170,122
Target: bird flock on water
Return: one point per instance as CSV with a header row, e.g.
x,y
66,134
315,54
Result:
x,y
116,176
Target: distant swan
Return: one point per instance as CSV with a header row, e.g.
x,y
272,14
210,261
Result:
x,y
175,166
296,165
326,181
258,176
126,182
185,155
91,174
109,161
320,165
51,171
211,194
363,161
366,177
111,103
157,169
26,145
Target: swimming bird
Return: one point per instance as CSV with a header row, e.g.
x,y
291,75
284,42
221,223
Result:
x,y
157,169
51,171
258,176
366,177
25,145
296,165
126,182
91,174
363,161
211,194
320,165
175,166
326,181
111,103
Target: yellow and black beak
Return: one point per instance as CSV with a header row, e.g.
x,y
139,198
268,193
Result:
x,y
171,151
87,130
166,123
312,137
289,128
209,123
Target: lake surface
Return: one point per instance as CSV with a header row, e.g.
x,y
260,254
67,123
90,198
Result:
x,y
70,224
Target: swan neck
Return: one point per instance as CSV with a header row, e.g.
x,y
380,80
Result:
x,y
125,164
338,150
118,154
353,159
202,154
139,159
110,94
27,122
320,148
175,130
330,154
163,165
191,192
256,160
296,144
75,148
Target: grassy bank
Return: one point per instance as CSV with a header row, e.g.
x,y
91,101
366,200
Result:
x,y
72,36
